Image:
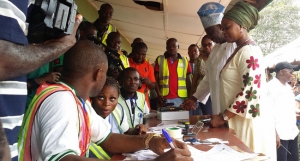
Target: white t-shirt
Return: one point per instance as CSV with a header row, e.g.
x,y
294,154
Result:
x,y
114,124
284,107
56,127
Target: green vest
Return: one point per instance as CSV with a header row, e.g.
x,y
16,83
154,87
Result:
x,y
140,101
110,29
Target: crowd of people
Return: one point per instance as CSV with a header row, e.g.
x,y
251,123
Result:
x,y
89,101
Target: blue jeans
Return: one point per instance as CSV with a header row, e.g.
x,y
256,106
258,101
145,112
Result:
x,y
292,147
202,109
177,101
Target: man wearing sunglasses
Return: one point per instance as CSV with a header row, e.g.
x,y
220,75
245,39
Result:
x,y
284,108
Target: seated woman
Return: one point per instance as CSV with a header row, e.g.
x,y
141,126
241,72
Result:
x,y
106,105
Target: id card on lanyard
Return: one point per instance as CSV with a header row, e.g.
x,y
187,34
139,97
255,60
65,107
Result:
x,y
133,106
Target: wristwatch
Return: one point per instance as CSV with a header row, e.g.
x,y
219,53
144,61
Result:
x,y
225,118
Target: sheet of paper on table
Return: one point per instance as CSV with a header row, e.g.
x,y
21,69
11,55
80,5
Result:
x,y
149,155
217,153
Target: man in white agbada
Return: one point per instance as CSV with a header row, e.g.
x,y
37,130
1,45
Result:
x,y
211,15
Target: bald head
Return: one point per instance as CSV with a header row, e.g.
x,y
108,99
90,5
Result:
x,y
84,57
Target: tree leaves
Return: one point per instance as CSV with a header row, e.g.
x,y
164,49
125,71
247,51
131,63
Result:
x,y
279,24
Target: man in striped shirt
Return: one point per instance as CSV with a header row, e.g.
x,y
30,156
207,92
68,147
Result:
x,y
17,59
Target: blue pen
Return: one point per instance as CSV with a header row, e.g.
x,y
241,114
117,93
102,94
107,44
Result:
x,y
140,117
169,139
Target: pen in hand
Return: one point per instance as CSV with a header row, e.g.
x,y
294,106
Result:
x,y
169,139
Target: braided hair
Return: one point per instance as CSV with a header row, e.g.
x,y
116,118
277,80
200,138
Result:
x,y
110,81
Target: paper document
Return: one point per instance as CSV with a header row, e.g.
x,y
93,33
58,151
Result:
x,y
223,152
150,155
217,153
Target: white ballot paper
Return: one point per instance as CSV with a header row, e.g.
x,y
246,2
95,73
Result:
x,y
217,153
149,155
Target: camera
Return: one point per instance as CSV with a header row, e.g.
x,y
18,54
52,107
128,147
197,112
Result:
x,y
50,19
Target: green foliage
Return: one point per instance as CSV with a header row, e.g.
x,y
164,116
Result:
x,y
279,24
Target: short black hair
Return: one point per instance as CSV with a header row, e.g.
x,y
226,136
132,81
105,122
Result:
x,y
138,46
82,58
111,36
204,37
171,39
126,70
192,45
105,6
86,27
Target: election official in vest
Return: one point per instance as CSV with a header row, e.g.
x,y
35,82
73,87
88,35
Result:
x,y
172,75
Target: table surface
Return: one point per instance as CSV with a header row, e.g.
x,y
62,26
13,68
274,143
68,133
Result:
x,y
207,132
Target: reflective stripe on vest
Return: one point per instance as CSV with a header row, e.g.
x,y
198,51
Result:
x,y
125,61
140,102
110,29
118,115
99,152
24,136
164,76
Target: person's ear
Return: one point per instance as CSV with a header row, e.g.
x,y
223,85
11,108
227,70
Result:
x,y
98,74
178,46
241,29
220,27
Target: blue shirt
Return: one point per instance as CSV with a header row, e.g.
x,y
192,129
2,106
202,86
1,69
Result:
x,y
13,92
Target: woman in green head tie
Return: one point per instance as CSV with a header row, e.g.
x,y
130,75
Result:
x,y
242,84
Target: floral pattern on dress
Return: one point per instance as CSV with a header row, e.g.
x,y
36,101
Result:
x,y
255,111
240,106
251,94
252,63
257,80
247,79
240,94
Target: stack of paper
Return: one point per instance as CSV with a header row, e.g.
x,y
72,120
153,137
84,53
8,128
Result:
x,y
217,153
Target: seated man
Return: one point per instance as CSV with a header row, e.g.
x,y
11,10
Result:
x,y
132,101
60,123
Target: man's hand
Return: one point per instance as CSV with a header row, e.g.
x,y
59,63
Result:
x,y
17,60
161,101
141,129
68,40
49,77
175,155
146,80
277,141
190,103
159,144
217,121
